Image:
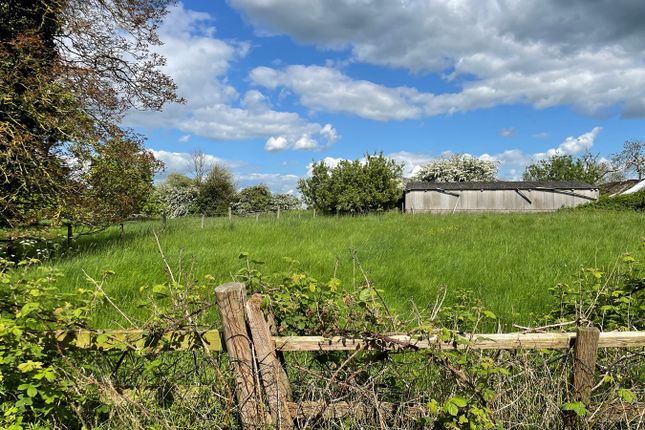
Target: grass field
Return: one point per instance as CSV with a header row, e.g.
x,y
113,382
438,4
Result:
x,y
507,260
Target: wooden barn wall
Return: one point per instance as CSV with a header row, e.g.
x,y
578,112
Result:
x,y
493,200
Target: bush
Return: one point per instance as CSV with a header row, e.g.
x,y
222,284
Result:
x,y
354,187
217,192
253,199
624,202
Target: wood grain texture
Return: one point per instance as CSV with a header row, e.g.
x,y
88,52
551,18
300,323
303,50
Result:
x,y
270,368
230,299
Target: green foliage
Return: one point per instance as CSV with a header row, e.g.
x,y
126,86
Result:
x,y
562,167
354,187
217,192
623,202
613,299
37,382
458,168
253,199
119,181
303,305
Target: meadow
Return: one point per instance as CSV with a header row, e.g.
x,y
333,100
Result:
x,y
509,261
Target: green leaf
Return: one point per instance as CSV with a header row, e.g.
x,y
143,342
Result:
x,y
577,407
490,315
627,395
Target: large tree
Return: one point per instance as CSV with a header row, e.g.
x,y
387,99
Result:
x,y
458,168
562,167
69,70
632,158
359,186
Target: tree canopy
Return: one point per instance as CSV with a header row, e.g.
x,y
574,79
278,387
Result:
x,y
69,70
458,168
563,167
359,186
632,158
216,192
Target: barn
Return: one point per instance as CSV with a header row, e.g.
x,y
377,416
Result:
x,y
501,196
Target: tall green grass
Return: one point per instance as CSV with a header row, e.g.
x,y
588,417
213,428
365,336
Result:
x,y
508,260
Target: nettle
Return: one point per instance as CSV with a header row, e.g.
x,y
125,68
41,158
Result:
x,y
37,384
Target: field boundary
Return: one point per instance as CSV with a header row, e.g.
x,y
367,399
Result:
x,y
262,388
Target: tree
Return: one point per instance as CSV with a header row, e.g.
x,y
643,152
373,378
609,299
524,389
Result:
x,y
632,158
201,166
285,202
177,196
217,192
69,70
560,167
119,180
253,199
458,168
359,186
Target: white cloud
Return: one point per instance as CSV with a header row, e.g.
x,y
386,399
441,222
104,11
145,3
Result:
x,y
199,64
494,51
277,183
573,145
508,132
511,161
326,137
185,138
276,144
306,143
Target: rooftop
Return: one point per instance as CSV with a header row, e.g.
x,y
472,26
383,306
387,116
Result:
x,y
499,185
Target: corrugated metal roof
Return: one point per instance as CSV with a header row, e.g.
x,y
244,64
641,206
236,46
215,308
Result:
x,y
499,185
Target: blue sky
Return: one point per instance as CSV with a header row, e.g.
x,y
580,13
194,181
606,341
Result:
x,y
271,85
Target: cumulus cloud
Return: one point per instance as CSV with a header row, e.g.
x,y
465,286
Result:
x,y
199,64
587,54
325,137
185,138
276,144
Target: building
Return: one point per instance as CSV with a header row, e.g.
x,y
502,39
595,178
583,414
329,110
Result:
x,y
502,196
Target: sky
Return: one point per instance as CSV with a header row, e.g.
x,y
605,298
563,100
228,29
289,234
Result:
x,y
274,85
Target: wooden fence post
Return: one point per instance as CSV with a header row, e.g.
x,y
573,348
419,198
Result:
x,y
230,214
230,300
585,352
271,371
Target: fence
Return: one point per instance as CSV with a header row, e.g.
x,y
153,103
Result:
x,y
248,339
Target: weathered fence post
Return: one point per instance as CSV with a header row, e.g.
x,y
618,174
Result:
x,y
278,213
230,300
230,214
585,352
271,371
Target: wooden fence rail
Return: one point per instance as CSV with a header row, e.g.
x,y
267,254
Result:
x,y
178,340
252,351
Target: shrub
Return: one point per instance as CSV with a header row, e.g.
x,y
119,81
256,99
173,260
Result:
x,y
354,187
623,202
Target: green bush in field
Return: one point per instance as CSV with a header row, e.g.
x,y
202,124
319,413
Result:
x,y
216,192
253,199
629,202
354,187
